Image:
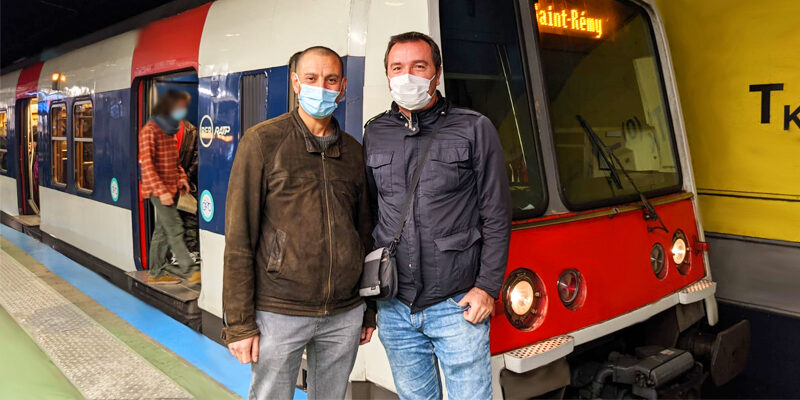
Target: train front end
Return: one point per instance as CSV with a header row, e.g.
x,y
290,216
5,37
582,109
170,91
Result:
x,y
608,290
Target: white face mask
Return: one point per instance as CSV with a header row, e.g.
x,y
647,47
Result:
x,y
410,91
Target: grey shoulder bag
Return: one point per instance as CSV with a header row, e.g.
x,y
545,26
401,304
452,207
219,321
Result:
x,y
379,277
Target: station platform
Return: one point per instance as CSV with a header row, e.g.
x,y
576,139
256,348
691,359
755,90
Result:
x,y
69,333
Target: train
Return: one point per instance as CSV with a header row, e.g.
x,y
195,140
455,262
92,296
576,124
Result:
x,y
744,134
608,289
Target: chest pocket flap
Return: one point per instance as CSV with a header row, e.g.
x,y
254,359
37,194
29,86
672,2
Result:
x,y
381,165
450,154
377,160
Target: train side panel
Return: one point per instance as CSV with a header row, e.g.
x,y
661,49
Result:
x,y
744,149
8,181
96,221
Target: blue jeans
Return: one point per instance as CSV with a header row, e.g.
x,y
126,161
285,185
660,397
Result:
x,y
414,342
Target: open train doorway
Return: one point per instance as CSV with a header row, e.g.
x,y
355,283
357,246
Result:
x,y
28,179
148,91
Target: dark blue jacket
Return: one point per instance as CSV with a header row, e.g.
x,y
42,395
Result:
x,y
457,232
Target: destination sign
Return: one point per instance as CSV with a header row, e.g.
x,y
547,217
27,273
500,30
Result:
x,y
563,20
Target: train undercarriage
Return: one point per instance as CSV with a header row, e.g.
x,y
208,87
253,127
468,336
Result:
x,y
672,355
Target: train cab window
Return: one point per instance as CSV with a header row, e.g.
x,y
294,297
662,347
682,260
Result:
x,y
484,69
3,141
602,74
58,138
83,132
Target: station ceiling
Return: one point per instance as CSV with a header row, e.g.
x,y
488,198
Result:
x,y
31,27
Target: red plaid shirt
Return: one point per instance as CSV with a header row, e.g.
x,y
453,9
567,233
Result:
x,y
158,157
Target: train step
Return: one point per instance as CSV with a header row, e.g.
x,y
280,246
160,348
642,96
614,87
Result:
x,y
178,300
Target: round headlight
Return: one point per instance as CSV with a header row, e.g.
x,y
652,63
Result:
x,y
569,286
521,297
679,248
524,299
657,261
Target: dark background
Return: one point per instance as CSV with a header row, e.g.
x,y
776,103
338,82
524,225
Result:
x,y
29,28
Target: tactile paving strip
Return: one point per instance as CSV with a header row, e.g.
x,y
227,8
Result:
x,y
97,363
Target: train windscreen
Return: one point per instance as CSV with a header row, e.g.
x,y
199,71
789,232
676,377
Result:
x,y
601,65
485,70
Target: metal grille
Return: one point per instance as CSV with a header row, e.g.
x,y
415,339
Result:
x,y
98,364
698,286
540,347
254,99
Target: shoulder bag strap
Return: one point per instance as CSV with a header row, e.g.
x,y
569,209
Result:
x,y
415,182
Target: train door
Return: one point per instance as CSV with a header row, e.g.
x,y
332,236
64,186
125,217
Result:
x,y
149,91
28,179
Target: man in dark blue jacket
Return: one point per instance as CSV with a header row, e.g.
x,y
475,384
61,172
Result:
x,y
453,251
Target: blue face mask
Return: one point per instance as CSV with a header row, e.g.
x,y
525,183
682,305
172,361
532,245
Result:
x,y
178,114
316,101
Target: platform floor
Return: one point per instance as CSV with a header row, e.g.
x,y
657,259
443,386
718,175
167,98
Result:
x,y
69,333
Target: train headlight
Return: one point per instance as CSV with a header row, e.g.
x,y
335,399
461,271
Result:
x,y
680,252
524,299
657,261
569,287
679,248
521,297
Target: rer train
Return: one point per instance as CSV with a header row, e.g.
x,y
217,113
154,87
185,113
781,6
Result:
x,y
608,290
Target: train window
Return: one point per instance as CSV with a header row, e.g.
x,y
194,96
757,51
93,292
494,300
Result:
x,y
83,131
58,138
254,99
601,66
484,69
3,141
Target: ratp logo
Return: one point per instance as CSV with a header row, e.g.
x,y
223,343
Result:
x,y
208,131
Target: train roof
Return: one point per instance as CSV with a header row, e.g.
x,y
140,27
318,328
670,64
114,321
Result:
x,y
214,39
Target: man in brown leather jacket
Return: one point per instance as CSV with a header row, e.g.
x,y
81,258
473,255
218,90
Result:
x,y
298,224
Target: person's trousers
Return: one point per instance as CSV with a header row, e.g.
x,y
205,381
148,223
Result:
x,y
414,343
331,343
168,235
190,226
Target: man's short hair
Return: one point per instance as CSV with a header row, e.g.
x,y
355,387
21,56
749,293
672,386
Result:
x,y
436,54
318,50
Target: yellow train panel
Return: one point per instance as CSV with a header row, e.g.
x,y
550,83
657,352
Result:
x,y
730,57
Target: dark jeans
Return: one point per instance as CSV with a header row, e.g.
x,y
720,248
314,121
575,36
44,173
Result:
x,y
168,235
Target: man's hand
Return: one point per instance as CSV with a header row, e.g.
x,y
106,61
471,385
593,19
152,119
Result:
x,y
166,199
481,305
184,187
245,350
366,334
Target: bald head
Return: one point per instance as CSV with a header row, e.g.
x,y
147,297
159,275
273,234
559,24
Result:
x,y
320,51
318,66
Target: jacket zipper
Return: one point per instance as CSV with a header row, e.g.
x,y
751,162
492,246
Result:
x,y
330,231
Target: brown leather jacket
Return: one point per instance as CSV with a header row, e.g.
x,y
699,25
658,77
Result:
x,y
187,154
297,223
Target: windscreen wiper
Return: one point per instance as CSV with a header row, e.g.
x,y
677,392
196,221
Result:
x,y
609,157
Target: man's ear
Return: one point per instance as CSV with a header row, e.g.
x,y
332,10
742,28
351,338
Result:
x,y
295,83
342,90
435,80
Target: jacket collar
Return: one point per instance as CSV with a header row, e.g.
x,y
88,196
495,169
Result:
x,y
422,118
312,146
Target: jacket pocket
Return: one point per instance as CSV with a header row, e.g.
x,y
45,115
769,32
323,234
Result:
x,y
276,251
456,258
443,173
381,165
